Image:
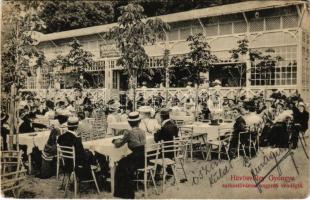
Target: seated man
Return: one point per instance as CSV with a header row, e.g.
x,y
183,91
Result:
x,y
239,126
168,130
82,159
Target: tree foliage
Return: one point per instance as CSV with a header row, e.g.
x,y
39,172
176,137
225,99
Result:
x,y
77,59
66,15
20,57
198,60
264,62
131,34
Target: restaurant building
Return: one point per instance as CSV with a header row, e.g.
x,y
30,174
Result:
x,y
283,26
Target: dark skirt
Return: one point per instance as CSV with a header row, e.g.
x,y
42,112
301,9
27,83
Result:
x,y
48,168
124,173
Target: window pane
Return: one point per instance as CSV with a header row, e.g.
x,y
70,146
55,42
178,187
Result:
x,y
184,33
173,35
225,29
240,27
211,30
290,21
257,25
272,23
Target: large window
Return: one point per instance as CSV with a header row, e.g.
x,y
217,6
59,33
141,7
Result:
x,y
283,72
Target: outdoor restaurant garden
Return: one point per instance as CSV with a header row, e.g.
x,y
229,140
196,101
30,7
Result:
x,y
155,99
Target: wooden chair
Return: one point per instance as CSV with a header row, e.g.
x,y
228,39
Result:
x,y
195,144
67,155
222,141
151,160
168,150
12,172
99,128
181,144
247,140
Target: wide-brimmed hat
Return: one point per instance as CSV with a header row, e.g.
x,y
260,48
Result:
x,y
73,122
134,117
114,107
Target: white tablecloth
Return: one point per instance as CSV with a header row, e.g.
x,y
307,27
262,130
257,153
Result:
x,y
39,139
211,130
184,118
106,147
119,125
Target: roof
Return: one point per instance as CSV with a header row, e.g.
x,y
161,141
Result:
x,y
181,16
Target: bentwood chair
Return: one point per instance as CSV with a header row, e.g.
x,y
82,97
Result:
x,y
195,145
221,144
247,140
13,174
151,160
168,150
67,156
181,144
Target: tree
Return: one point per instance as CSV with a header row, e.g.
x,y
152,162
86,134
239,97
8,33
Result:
x,y
265,63
66,15
198,60
77,58
19,58
131,34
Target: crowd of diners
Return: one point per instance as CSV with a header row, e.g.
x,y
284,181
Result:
x,y
281,117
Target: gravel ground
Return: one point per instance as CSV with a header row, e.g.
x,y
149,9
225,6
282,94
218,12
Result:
x,y
208,179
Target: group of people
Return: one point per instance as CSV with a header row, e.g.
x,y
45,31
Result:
x,y
281,118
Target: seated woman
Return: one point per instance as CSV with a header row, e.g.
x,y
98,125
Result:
x,y
302,117
135,138
49,154
279,135
148,123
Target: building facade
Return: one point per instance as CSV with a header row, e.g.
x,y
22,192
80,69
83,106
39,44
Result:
x,y
283,26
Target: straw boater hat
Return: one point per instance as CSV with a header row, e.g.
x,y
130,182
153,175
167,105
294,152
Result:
x,y
134,117
73,122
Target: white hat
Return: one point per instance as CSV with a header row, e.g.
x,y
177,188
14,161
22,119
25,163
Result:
x,y
73,122
134,117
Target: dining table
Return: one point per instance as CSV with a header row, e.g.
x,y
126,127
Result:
x,y
106,147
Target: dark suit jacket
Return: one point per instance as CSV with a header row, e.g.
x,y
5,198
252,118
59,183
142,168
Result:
x,y
167,132
239,126
302,119
69,139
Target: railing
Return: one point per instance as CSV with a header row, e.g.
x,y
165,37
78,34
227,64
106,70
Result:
x,y
97,94
229,92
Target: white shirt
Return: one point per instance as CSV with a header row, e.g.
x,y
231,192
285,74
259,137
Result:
x,y
149,125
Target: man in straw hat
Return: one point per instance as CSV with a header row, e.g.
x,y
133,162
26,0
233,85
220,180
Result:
x,y
83,159
135,139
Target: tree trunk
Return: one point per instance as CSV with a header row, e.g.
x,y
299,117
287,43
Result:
x,y
12,116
